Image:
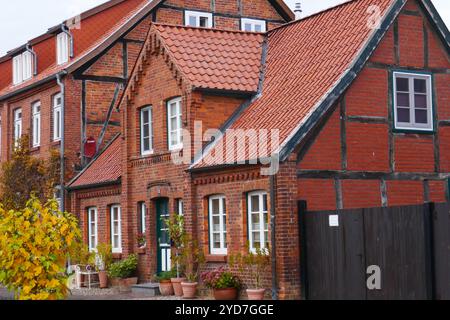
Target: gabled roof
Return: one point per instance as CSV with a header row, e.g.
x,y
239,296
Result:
x,y
310,63
114,19
105,169
205,58
132,12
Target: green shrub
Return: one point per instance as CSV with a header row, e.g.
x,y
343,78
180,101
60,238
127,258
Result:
x,y
125,268
167,275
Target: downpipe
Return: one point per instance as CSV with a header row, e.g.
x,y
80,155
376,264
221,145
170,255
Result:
x,y
273,250
62,186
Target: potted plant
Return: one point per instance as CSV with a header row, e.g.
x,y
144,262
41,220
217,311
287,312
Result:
x,y
224,283
141,241
104,259
165,283
192,258
123,273
254,263
175,229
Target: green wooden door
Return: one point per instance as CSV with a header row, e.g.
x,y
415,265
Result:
x,y
163,240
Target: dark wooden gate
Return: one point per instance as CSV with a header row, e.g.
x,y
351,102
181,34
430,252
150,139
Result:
x,y
410,245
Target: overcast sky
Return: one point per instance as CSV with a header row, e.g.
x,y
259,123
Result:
x,y
22,20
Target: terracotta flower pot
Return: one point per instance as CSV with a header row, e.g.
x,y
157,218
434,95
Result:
x,y
166,288
103,279
256,294
189,289
226,294
176,282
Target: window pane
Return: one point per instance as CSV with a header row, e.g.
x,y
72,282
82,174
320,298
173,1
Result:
x,y
420,85
216,223
215,206
192,21
116,242
258,28
266,221
256,240
420,101
403,115
216,240
146,130
203,21
265,202
248,27
402,84
145,116
255,203
422,116
146,144
403,99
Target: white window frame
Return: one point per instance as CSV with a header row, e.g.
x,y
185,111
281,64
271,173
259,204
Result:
x,y
62,48
222,250
116,247
180,207
57,119
22,65
412,125
175,145
197,15
36,123
92,229
143,213
253,23
148,109
17,125
262,224
17,69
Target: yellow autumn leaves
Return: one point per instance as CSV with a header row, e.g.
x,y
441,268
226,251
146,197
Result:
x,y
34,245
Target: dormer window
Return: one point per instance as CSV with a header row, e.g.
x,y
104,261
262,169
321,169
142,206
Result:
x,y
253,25
22,67
62,48
199,19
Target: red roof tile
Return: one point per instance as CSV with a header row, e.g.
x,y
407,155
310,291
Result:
x,y
93,32
305,60
214,59
105,168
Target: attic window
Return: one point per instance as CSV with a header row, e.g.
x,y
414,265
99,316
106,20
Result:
x,y
22,67
413,102
62,48
199,19
253,25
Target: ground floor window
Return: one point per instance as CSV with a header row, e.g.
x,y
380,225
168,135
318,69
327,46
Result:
x,y
258,221
92,229
116,229
179,207
218,225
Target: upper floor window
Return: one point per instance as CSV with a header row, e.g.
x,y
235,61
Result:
x,y
142,207
258,221
199,19
36,124
146,131
22,67
218,225
116,229
57,119
62,48
17,125
174,117
413,102
92,229
253,25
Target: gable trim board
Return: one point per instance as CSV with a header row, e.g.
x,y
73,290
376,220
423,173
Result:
x,y
310,121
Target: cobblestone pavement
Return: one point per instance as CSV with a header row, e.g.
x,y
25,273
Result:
x,y
97,294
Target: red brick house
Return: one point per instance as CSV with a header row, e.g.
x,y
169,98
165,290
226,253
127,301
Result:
x,y
358,96
63,87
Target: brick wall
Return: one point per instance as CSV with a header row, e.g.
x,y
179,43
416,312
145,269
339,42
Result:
x,y
366,138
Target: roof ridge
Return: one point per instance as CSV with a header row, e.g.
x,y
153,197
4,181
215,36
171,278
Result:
x,y
288,24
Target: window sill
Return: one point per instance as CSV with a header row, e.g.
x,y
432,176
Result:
x,y
35,149
117,256
414,131
142,250
56,143
211,258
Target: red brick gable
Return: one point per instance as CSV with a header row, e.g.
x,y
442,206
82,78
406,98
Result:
x,y
107,167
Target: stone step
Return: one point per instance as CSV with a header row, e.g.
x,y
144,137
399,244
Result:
x,y
146,289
